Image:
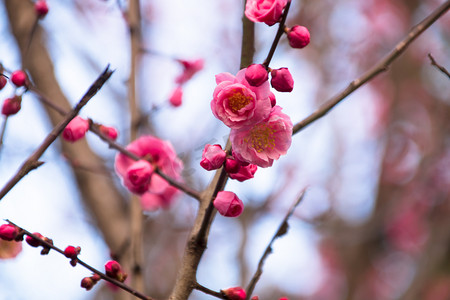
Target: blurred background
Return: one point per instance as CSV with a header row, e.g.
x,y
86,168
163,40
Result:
x,y
375,220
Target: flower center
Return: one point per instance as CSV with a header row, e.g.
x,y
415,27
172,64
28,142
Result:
x,y
261,138
238,100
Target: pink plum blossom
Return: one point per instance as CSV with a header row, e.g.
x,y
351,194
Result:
x,y
298,36
256,74
190,68
228,204
163,156
267,11
237,103
11,106
264,142
282,80
76,129
176,97
213,157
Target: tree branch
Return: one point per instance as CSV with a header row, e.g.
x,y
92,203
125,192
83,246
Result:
x,y
380,67
441,68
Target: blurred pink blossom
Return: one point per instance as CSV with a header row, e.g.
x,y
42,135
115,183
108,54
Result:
x,y
137,179
234,293
238,104
176,97
9,249
191,67
76,129
264,142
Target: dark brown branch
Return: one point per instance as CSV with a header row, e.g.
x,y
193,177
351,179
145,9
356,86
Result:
x,y
32,161
441,68
87,266
208,291
380,67
282,229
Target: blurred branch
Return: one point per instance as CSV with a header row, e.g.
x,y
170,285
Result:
x,y
441,68
282,230
208,291
380,67
87,266
33,160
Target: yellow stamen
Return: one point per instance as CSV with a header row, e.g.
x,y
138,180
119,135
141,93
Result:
x,y
261,138
238,100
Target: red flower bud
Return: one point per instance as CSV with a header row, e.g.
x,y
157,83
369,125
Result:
x,y
3,81
298,36
110,132
72,252
19,78
232,165
41,8
76,129
282,80
11,106
234,293
32,241
228,204
256,74
114,270
87,283
8,232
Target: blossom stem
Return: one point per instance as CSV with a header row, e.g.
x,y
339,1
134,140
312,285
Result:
x,y
277,36
205,290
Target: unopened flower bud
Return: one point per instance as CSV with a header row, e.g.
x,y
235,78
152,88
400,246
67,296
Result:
x,y
87,283
72,252
109,132
228,204
11,106
256,74
234,293
34,242
3,81
282,80
96,277
19,78
76,129
8,232
114,270
41,8
176,97
138,175
244,173
298,36
232,165
254,298
213,157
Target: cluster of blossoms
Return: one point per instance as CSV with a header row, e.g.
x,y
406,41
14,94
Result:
x,y
238,293
190,68
260,131
139,176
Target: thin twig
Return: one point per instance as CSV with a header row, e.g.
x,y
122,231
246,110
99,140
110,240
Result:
x,y
33,160
440,67
87,266
282,229
205,290
3,130
380,67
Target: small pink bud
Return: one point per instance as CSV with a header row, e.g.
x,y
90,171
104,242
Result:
x,y
273,100
244,173
213,157
72,252
34,242
234,293
282,80
108,131
19,78
114,270
76,129
3,81
232,165
298,36
139,173
256,74
255,298
176,97
228,204
11,106
87,283
8,232
41,8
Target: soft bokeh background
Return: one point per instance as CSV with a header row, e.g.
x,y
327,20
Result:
x,y
375,218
